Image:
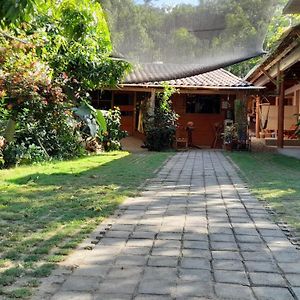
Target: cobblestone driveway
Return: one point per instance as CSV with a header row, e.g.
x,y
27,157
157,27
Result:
x,y
194,233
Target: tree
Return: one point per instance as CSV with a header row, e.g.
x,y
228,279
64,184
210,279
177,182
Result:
x,y
276,28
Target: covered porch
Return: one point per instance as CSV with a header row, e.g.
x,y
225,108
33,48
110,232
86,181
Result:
x,y
275,111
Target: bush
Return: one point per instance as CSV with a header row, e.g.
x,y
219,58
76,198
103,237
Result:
x,y
160,128
114,133
15,154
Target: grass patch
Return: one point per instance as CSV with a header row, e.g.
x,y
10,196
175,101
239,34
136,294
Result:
x,y
46,210
273,178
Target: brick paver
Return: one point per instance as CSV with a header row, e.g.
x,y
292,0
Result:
x,y
195,232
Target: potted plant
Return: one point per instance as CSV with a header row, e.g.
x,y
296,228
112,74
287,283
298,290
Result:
x,y
229,136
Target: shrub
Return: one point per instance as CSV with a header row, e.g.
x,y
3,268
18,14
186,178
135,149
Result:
x,y
160,128
15,154
114,133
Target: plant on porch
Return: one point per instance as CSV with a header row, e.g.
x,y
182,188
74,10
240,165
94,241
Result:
x,y
160,127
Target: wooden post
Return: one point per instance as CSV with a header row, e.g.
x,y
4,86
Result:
x,y
134,111
257,117
151,105
280,135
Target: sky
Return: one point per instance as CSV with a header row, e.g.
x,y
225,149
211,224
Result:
x,y
170,2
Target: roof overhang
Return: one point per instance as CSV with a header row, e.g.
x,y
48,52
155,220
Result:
x,y
292,7
283,57
187,87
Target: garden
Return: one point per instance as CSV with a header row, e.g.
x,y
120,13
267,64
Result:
x,y
50,61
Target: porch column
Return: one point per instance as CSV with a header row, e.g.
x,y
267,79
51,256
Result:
x,y
257,117
280,136
151,103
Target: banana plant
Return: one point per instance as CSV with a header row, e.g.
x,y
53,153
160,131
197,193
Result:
x,y
94,123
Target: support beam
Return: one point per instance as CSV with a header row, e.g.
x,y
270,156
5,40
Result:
x,y
257,117
151,104
280,135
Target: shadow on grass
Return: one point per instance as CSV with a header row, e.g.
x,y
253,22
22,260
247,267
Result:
x,y
49,210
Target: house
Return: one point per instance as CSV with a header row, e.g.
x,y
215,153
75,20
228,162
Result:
x,y
277,108
206,99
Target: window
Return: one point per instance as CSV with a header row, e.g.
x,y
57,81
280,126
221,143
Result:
x,y
123,99
203,104
102,99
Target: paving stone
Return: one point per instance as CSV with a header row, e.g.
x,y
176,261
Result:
x,y
195,237
196,245
230,265
162,273
102,296
195,275
132,260
233,292
167,244
256,256
118,286
290,267
91,271
186,289
231,255
142,235
222,238
261,266
136,250
231,277
221,246
196,253
294,279
169,236
297,292
163,261
267,279
128,272
156,287
118,234
272,293
254,247
63,295
81,283
165,251
195,263
152,297
139,243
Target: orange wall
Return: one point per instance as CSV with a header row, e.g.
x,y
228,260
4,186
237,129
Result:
x,y
204,133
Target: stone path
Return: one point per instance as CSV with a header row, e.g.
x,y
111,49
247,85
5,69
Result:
x,y
194,233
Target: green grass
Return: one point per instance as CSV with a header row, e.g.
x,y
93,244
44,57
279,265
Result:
x,y
276,179
46,210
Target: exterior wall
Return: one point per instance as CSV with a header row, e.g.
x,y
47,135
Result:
x,y
204,131
204,124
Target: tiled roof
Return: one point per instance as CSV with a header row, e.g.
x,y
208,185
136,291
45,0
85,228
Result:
x,y
286,44
219,79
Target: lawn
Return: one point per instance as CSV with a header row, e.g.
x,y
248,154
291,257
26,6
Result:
x,y
46,210
276,179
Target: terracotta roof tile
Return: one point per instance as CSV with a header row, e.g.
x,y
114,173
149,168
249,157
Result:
x,y
217,78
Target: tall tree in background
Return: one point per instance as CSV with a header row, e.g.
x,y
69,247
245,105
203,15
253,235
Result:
x,y
278,25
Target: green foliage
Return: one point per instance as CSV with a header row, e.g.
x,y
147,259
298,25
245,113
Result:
x,y
12,11
48,65
276,28
160,128
15,154
93,121
114,133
